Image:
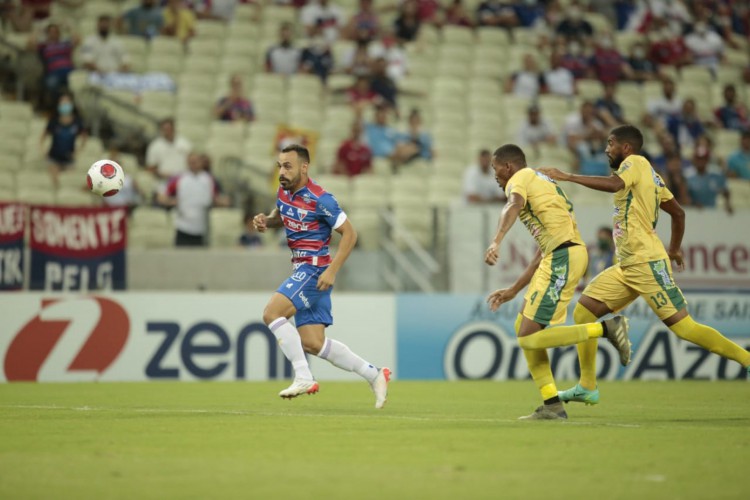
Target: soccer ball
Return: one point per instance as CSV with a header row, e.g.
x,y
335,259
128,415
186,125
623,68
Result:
x,y
105,178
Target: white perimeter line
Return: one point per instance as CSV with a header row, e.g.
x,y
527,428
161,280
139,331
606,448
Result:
x,y
305,415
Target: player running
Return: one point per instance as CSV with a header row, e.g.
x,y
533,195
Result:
x,y
308,214
643,266
558,266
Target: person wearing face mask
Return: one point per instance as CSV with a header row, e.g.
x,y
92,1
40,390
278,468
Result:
x,y
706,46
602,255
574,60
68,136
317,58
641,67
283,58
145,20
574,26
607,64
102,52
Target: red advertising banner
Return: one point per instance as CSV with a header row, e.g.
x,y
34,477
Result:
x,y
78,248
12,224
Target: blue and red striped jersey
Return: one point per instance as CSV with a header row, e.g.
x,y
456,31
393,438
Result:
x,y
309,215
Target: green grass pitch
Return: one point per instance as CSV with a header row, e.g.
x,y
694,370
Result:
x,y
433,440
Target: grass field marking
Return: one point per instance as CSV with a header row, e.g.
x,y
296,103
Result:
x,y
303,415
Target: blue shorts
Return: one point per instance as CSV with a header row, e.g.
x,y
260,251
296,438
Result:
x,y
313,305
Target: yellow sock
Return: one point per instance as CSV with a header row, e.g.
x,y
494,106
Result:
x,y
710,339
541,372
586,350
559,336
539,368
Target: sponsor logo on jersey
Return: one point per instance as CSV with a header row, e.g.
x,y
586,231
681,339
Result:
x,y
304,300
299,276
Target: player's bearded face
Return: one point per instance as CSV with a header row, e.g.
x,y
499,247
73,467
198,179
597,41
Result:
x,y
614,154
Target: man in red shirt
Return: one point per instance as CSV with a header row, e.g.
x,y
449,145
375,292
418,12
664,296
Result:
x,y
354,156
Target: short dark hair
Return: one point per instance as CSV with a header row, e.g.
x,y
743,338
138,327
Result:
x,y
302,152
510,153
628,134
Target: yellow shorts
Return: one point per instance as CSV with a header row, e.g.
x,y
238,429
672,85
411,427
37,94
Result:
x,y
553,285
619,286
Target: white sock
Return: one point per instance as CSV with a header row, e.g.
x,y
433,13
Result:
x,y
291,346
341,356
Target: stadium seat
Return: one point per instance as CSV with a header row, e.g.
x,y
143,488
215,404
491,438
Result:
x,y
740,192
16,111
170,64
494,37
7,180
225,227
7,194
157,218
36,196
72,180
150,237
338,185
75,198
136,48
201,64
158,104
457,35
40,181
167,46
210,30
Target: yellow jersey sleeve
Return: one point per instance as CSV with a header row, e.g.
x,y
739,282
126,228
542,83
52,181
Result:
x,y
665,195
628,174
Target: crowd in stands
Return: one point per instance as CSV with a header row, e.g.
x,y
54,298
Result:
x,y
592,56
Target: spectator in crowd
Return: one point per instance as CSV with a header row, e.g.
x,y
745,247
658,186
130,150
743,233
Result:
x,y
674,177
706,184
235,106
382,84
659,109
219,10
283,58
528,82
354,156
607,64
364,24
406,26
738,163
360,95
417,137
586,137
145,20
456,15
24,13
383,139
102,52
358,62
179,21
536,130
668,49
496,13
480,185
642,69
322,15
65,128
57,58
667,147
317,58
574,60
428,11
391,49
732,115
608,110
193,193
686,127
557,79
574,26
602,255
166,155
250,237
705,46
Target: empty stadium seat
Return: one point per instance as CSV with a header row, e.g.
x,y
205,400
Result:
x,y
225,226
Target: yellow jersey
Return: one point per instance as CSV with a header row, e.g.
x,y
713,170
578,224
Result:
x,y
547,214
637,212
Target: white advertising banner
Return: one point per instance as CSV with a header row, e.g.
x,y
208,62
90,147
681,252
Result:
x,y
716,247
172,336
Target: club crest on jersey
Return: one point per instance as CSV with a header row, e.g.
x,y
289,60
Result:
x,y
624,166
302,213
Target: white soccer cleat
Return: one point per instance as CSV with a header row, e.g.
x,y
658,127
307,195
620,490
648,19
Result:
x,y
300,387
380,387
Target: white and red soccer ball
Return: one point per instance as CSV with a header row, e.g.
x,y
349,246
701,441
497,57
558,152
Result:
x,y
105,178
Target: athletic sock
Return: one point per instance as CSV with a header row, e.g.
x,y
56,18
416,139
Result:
x,y
291,345
341,356
559,336
541,372
539,367
710,339
586,350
